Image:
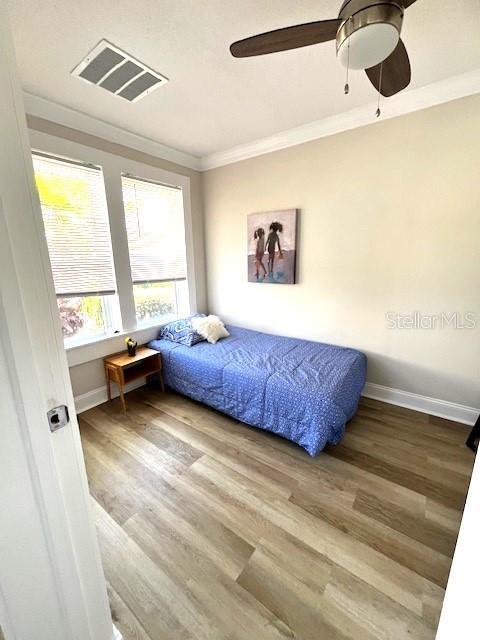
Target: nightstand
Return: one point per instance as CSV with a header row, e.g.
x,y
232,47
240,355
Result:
x,y
122,369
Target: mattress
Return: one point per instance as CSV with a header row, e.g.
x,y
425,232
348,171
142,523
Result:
x,y
301,390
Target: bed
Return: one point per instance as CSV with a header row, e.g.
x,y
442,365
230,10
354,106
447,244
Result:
x,y
301,390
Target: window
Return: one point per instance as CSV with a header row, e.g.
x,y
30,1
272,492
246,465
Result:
x,y
84,253
76,224
156,242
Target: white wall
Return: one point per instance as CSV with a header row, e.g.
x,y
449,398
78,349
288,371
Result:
x,y
389,221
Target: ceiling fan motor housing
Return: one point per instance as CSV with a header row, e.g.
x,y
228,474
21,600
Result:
x,y
369,33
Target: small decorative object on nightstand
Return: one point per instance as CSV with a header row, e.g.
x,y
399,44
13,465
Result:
x,y
131,346
123,368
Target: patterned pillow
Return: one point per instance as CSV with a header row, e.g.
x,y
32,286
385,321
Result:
x,y
181,331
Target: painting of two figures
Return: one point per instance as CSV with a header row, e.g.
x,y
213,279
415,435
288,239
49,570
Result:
x,y
272,246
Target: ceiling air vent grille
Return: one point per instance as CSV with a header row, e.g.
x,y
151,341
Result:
x,y
114,70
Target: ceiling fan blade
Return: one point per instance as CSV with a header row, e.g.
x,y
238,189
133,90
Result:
x,y
301,35
395,74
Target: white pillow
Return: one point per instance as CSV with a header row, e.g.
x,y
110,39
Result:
x,y
210,327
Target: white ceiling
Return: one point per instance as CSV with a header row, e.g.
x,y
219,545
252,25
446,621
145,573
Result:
x,y
213,101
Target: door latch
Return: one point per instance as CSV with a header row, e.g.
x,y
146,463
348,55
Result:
x,y
58,418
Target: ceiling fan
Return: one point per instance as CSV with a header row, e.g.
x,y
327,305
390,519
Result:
x,y
367,34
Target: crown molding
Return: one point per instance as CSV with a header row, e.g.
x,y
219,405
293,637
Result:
x,y
405,102
68,117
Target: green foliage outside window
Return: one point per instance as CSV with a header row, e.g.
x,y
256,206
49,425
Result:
x,y
154,299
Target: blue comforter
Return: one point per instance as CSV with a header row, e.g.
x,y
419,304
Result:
x,y
301,390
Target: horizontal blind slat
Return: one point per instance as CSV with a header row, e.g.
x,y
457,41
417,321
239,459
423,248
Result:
x,y
75,218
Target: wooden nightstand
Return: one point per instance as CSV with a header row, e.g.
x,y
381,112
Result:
x,y
122,368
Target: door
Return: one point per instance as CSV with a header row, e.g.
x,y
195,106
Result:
x,y
51,580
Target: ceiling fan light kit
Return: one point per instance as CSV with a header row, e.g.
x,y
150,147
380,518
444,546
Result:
x,y
372,34
367,35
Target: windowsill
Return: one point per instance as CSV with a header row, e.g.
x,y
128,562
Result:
x,y
102,346
69,346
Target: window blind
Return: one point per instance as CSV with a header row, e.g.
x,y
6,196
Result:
x,y
155,229
75,217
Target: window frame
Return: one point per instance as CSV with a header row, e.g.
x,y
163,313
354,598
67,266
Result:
x,y
109,300
113,167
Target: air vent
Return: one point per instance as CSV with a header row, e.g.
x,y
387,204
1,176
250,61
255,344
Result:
x,y
114,70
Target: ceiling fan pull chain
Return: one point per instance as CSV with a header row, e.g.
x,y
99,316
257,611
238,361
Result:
x,y
347,86
378,112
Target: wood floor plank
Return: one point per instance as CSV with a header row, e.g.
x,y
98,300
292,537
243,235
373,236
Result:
x,y
290,578
407,457
447,495
453,429
120,464
379,534
445,517
297,559
422,529
360,479
247,522
218,448
117,481
163,440
128,625
394,580
372,610
220,598
154,459
392,410
212,529
151,595
287,597
115,497
407,434
412,422
452,462
189,524
432,605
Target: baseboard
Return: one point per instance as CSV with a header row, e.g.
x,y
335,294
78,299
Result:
x,y
93,398
424,404
116,634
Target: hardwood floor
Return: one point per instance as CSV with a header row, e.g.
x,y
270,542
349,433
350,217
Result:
x,y
213,530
